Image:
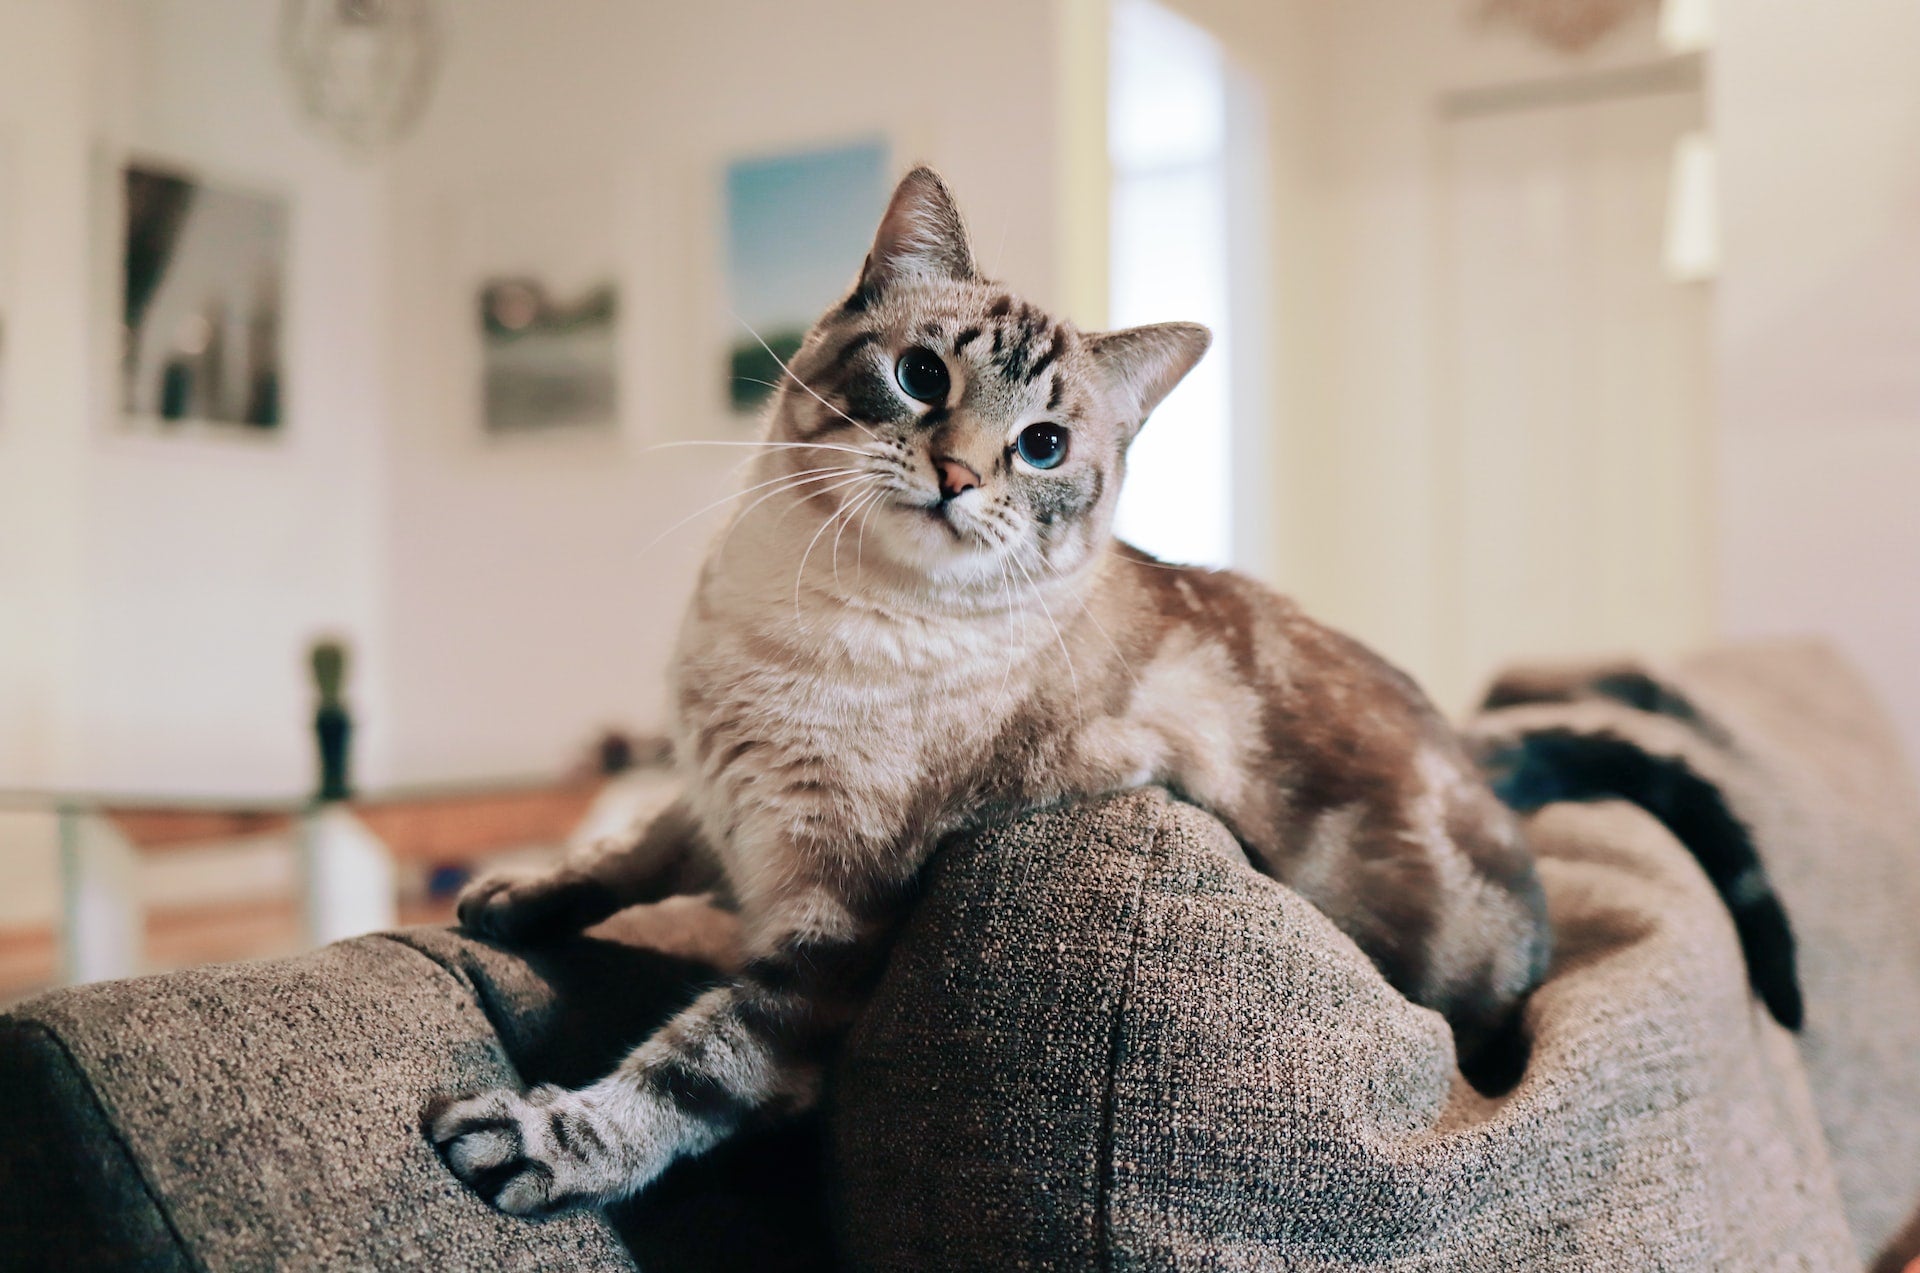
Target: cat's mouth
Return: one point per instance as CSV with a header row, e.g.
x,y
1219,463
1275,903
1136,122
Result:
x,y
950,516
941,513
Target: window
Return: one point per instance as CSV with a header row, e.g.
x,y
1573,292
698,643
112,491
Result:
x,y
1168,141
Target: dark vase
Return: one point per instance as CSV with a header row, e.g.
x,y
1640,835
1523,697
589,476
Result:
x,y
334,730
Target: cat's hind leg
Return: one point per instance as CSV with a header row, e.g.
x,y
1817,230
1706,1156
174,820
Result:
x,y
665,859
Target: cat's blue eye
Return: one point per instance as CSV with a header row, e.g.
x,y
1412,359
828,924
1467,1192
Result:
x,y
922,375
1042,445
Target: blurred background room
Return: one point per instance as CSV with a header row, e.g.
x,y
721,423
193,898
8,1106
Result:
x,y
344,345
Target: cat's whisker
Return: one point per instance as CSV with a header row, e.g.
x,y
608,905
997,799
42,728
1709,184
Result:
x,y
860,540
766,445
792,485
800,574
791,375
1059,636
726,500
854,505
866,500
720,546
702,512
1006,590
1173,565
1113,645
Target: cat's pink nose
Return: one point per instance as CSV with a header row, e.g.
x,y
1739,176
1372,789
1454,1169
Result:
x,y
954,476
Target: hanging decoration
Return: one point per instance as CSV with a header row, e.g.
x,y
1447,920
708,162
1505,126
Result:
x,y
1567,26
361,69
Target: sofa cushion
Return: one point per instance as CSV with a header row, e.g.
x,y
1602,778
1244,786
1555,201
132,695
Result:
x,y
1105,1041
259,1115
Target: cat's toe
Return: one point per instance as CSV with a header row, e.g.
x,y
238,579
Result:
x,y
504,1147
518,908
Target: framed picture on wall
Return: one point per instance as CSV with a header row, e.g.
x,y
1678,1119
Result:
x,y
797,226
541,280
200,280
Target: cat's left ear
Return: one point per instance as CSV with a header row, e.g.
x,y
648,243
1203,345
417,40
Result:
x,y
1141,365
920,238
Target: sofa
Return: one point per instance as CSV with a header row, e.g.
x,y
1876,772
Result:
x,y
1102,1040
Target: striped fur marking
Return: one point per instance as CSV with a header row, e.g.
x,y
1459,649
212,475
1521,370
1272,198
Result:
x,y
1547,766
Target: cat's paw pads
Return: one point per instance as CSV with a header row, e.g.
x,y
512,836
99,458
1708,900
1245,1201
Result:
x,y
527,1155
519,906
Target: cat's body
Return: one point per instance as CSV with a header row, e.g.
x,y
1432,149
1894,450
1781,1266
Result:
x,y
892,729
921,625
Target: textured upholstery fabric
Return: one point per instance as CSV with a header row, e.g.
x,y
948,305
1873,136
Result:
x,y
1819,772
1214,1077
265,1116
1103,1046
272,1110
1101,1041
71,1196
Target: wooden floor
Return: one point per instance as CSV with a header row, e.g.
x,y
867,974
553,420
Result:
x,y
425,830
182,937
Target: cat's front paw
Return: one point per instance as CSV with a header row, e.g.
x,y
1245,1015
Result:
x,y
527,1155
523,906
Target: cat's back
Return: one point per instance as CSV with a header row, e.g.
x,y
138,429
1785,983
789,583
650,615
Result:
x,y
1337,723
1341,779
1272,642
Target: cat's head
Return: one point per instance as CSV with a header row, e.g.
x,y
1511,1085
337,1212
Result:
x,y
985,437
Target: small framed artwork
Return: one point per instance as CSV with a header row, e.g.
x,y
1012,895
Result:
x,y
201,295
798,226
542,276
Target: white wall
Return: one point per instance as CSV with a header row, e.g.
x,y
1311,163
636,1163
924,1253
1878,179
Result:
x,y
42,450
173,583
43,454
1817,111
526,604
212,562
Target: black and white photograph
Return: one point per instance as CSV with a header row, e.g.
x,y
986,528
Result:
x,y
204,280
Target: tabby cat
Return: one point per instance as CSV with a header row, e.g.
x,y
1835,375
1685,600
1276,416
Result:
x,y
978,647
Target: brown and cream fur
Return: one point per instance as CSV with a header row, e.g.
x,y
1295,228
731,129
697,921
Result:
x,y
909,631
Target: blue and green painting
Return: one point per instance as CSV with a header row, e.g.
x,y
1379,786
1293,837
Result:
x,y
798,226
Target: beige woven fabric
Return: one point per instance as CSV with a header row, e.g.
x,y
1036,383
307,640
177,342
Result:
x,y
272,1114
1106,1042
1822,778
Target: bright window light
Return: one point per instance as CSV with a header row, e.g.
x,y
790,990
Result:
x,y
1167,140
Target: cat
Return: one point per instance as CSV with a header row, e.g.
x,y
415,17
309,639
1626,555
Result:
x,y
980,647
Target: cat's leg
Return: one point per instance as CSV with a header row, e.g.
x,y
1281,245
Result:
x,y
665,859
745,1051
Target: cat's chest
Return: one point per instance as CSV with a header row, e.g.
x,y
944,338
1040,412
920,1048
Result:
x,y
863,700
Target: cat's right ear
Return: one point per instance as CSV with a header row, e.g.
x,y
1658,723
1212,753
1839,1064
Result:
x,y
921,238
